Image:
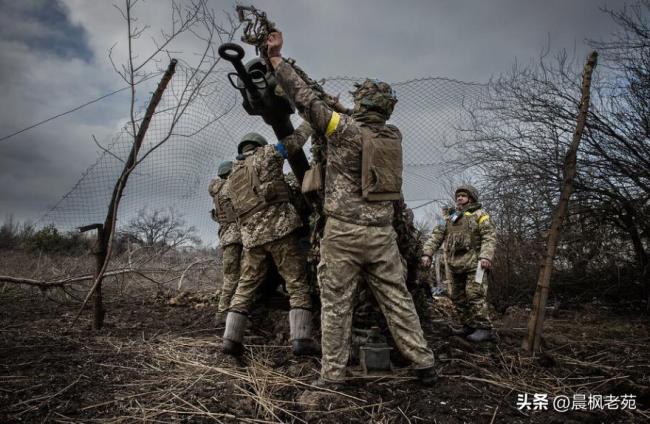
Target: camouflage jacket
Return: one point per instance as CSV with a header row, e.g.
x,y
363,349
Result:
x,y
228,233
409,240
343,195
470,238
278,219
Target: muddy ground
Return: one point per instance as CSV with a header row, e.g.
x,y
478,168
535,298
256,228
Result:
x,y
158,359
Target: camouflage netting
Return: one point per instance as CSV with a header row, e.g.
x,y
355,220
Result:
x,y
429,113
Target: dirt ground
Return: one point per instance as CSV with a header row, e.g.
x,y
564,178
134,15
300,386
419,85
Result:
x,y
158,359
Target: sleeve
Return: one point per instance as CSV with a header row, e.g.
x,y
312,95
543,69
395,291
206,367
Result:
x,y
298,139
488,236
435,241
312,109
212,187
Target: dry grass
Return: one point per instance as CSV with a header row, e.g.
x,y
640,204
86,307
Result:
x,y
159,360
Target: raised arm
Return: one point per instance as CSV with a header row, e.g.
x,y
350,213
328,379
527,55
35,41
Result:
x,y
314,110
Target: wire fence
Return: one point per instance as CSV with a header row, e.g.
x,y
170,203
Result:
x,y
430,113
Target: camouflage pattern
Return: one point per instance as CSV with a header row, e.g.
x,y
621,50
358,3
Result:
x,y
376,96
231,260
470,190
470,238
347,250
358,236
278,219
290,261
228,233
343,194
469,297
297,199
299,137
409,240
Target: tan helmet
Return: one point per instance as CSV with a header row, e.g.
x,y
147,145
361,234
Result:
x,y
470,190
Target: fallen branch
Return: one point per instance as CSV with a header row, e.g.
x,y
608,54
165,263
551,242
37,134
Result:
x,y
198,261
44,284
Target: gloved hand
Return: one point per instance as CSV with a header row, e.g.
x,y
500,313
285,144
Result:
x,y
274,44
281,148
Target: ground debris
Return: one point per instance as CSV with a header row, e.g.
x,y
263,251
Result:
x,y
161,361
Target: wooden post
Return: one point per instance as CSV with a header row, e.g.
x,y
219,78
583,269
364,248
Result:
x,y
536,321
100,257
130,164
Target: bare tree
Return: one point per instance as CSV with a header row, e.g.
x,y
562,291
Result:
x,y
195,19
160,228
519,139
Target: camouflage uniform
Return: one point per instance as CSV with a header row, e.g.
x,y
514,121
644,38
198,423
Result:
x,y
444,277
270,231
358,236
231,247
471,238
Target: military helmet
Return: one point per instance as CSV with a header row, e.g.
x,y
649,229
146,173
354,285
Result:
x,y
470,190
375,95
251,138
224,168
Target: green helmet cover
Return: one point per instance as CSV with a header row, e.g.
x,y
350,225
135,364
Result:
x,y
251,138
224,168
376,96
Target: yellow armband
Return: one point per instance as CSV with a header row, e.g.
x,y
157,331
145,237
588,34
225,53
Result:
x,y
334,122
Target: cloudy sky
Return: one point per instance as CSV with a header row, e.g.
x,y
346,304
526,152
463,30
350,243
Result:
x,y
54,58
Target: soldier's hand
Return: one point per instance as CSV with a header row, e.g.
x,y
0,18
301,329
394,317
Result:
x,y
274,44
426,261
486,263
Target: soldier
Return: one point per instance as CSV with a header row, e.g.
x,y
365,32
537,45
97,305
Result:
x,y
470,241
443,275
268,221
358,234
229,238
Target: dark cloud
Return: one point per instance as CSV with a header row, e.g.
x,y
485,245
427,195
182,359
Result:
x,y
53,57
43,25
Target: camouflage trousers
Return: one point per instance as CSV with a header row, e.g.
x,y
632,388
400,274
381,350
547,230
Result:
x,y
470,299
291,264
347,250
231,260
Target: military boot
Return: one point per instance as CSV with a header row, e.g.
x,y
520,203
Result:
x,y
233,336
427,376
480,335
301,329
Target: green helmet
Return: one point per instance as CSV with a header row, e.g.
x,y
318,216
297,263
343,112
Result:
x,y
470,190
224,168
251,138
375,95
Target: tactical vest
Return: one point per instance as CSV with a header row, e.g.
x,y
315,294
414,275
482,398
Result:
x,y
225,212
246,194
461,236
381,163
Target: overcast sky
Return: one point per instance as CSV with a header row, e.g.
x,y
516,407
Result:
x,y
54,58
